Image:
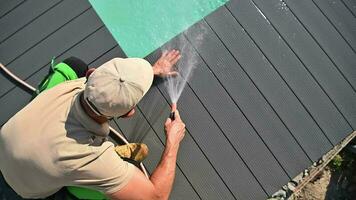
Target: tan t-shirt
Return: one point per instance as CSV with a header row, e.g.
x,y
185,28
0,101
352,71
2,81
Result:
x,y
52,143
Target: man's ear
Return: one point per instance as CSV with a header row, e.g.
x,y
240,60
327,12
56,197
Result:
x,y
90,70
129,114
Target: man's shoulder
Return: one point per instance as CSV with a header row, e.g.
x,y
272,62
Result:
x,y
77,83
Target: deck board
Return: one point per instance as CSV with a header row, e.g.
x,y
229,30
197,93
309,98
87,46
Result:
x,y
292,69
194,164
274,89
350,5
340,17
229,118
200,123
35,33
87,50
191,158
307,49
19,18
8,5
139,125
331,41
272,80
289,152
328,37
41,54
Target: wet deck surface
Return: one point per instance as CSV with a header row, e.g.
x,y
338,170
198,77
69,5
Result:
x,y
273,90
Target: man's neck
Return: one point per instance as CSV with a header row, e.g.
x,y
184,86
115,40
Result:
x,y
89,112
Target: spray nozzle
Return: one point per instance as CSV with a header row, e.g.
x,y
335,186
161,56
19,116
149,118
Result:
x,y
172,115
173,111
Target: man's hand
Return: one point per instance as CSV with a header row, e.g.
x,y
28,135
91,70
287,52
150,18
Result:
x,y
175,130
164,65
160,184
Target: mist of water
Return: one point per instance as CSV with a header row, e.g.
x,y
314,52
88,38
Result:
x,y
185,66
176,84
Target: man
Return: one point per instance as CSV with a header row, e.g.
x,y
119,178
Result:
x,y
59,139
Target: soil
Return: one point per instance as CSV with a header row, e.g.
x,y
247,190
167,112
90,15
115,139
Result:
x,y
331,183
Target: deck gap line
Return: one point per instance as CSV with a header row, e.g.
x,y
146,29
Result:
x,y
32,20
315,79
316,41
217,124
39,69
7,12
50,34
284,80
151,126
207,158
343,2
333,25
288,130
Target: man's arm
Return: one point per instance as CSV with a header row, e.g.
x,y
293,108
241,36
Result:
x,y
160,183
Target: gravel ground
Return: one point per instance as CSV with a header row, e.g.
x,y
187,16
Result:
x,y
333,184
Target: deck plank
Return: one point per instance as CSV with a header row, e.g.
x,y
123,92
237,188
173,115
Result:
x,y
6,6
214,63
293,71
329,39
23,15
273,79
316,61
200,123
18,98
351,6
253,103
260,70
61,40
40,29
191,158
338,14
87,50
137,125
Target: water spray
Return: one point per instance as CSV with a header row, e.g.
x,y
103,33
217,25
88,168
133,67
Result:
x,y
175,84
184,67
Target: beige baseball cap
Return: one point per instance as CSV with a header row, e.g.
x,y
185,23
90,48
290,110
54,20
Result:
x,y
115,87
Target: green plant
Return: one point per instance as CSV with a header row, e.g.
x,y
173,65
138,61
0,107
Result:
x,y
336,163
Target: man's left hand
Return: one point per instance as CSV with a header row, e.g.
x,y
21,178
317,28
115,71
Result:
x,y
164,65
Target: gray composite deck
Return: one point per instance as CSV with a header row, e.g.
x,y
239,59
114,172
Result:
x,y
273,90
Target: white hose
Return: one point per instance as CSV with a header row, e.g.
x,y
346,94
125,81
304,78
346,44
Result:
x,y
126,142
17,78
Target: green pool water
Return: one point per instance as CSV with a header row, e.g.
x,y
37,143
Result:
x,y
141,26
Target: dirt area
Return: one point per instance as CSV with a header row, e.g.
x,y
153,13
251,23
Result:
x,y
336,182
316,189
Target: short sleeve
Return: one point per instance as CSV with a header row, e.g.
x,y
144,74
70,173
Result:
x,y
107,173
